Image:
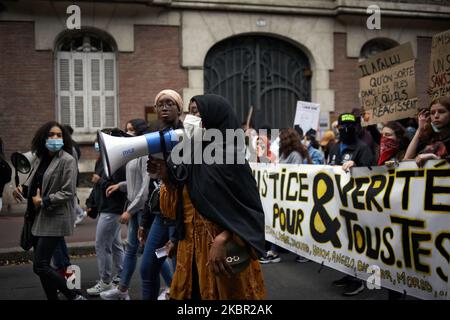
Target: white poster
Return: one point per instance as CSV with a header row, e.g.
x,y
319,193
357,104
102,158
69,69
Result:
x,y
390,227
307,115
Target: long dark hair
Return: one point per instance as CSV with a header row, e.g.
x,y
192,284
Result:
x,y
140,126
41,135
402,138
290,141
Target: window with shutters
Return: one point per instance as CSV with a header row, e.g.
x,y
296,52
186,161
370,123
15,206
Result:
x,y
86,83
374,46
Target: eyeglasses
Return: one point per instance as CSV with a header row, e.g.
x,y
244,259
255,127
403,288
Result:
x,y
58,134
169,104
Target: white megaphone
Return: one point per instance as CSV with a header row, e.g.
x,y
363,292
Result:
x,y
117,151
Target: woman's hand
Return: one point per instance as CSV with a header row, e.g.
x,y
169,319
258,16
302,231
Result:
x,y
423,118
37,199
89,212
347,165
125,217
95,178
422,158
111,189
142,235
171,248
157,167
218,254
17,194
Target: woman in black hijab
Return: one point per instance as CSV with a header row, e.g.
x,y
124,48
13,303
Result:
x,y
219,204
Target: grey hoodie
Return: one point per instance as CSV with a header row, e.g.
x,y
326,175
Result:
x,y
136,184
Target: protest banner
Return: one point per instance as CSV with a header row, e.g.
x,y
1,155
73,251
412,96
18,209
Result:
x,y
307,115
394,220
439,75
389,94
386,59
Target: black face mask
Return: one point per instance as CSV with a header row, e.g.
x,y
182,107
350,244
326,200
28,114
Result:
x,y
347,134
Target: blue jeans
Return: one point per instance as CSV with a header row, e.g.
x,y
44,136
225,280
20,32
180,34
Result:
x,y
130,258
60,257
151,266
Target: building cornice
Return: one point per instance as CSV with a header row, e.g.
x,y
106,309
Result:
x,y
431,9
413,9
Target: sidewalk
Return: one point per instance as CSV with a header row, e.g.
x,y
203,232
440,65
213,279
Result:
x,y
80,243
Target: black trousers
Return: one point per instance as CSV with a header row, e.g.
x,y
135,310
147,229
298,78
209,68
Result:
x,y
50,279
195,294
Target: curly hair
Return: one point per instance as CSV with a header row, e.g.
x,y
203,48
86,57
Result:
x,y
290,141
41,136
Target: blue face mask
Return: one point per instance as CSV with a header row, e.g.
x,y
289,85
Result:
x,y
54,145
97,147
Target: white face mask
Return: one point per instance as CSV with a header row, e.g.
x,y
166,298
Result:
x,y
306,143
435,128
192,124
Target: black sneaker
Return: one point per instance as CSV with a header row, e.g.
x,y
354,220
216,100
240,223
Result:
x,y
80,297
301,259
344,281
354,288
270,258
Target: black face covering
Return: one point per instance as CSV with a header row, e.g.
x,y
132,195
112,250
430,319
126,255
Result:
x,y
347,134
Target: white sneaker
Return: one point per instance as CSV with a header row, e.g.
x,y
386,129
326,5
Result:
x,y
98,288
114,294
79,297
164,294
80,217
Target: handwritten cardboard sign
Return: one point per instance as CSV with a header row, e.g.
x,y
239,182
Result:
x,y
439,75
386,59
389,94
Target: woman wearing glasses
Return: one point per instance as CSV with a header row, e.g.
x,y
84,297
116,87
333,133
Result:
x,y
50,202
155,230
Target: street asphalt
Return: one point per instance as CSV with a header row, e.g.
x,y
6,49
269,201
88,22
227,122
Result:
x,y
286,280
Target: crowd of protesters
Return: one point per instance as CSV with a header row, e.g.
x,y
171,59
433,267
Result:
x,y
197,216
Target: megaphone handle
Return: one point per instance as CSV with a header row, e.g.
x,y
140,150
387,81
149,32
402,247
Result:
x,y
163,144
16,179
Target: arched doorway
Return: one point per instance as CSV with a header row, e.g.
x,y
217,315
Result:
x,y
260,71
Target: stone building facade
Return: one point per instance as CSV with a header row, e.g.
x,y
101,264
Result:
x,y
261,53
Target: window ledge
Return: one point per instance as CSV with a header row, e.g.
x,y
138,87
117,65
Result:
x,y
84,138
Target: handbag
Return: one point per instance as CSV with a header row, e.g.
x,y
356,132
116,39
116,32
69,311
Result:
x,y
26,237
238,257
